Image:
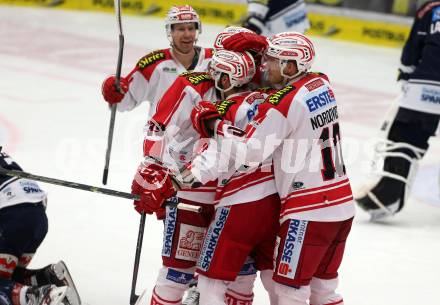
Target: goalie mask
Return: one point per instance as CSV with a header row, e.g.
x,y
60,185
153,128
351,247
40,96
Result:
x,y
240,67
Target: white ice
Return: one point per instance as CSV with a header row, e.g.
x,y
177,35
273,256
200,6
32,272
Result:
x,y
54,122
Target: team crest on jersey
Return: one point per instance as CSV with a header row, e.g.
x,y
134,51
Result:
x,y
224,106
196,78
276,98
150,59
190,242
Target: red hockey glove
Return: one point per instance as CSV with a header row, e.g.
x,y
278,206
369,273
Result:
x,y
110,93
154,185
244,41
203,116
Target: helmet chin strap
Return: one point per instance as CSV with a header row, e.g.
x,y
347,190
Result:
x,y
287,78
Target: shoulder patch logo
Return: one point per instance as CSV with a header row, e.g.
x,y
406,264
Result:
x,y
276,97
224,106
314,84
196,78
150,59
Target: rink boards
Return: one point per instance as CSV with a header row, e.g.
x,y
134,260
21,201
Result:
x,y
335,23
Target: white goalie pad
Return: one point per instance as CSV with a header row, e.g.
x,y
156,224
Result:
x,y
384,149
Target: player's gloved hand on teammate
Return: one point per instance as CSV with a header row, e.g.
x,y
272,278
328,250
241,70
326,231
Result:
x,y
110,93
203,117
245,41
153,183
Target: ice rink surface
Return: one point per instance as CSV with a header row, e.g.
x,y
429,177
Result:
x,y
54,122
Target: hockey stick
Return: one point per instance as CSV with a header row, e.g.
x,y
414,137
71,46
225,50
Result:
x,y
118,88
137,257
65,183
90,188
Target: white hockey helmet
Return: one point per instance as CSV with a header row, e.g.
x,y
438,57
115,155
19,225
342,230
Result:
x,y
291,46
226,33
181,14
240,67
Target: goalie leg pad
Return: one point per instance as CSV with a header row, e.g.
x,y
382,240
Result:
x,y
56,274
406,143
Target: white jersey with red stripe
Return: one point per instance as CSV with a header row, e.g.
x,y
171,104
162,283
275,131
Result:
x,y
245,185
298,126
169,134
154,74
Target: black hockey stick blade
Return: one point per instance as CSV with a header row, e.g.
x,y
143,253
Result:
x,y
137,257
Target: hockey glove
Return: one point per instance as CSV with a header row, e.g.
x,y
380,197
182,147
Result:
x,y
153,183
203,117
244,41
110,93
254,23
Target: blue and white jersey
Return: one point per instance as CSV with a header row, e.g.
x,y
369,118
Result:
x,y
14,190
420,62
421,54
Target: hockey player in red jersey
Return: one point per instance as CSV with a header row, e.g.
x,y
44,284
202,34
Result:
x,y
156,71
170,143
298,126
23,226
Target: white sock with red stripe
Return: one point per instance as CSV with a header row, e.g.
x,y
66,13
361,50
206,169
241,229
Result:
x,y
324,292
240,291
212,292
157,300
235,298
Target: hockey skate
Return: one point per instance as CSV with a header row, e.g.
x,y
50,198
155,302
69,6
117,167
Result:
x,y
59,275
47,295
192,296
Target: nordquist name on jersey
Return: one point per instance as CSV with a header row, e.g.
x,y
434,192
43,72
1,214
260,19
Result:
x,y
321,101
